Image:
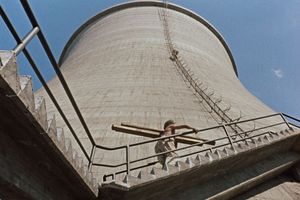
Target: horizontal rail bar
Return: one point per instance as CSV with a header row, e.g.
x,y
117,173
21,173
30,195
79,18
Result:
x,y
293,118
196,144
28,37
269,126
110,166
236,141
294,125
110,148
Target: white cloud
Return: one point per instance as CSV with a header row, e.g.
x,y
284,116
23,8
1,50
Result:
x,y
278,73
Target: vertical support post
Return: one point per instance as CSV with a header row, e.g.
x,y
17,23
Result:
x,y
91,158
29,36
229,138
283,118
128,159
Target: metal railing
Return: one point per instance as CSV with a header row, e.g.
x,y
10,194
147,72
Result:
x,y
231,142
21,47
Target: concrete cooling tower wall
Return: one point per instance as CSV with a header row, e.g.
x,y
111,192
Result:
x,y
118,68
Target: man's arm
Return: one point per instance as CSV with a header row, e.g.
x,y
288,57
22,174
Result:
x,y
184,126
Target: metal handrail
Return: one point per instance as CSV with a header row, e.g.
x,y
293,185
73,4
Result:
x,y
202,130
21,46
293,118
127,163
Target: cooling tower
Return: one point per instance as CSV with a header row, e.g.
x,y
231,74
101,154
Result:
x,y
120,68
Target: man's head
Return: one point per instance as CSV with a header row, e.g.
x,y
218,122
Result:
x,y
168,123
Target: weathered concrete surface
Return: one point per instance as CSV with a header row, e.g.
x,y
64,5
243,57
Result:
x,y
9,69
31,166
282,187
118,69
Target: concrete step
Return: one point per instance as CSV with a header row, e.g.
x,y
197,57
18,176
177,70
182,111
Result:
x,y
89,178
170,169
266,139
219,154
201,160
9,70
276,136
131,180
254,143
229,151
61,139
284,132
79,163
26,92
209,156
40,112
250,143
158,172
69,149
260,141
65,145
242,147
95,183
52,130
241,180
145,176
181,165
189,162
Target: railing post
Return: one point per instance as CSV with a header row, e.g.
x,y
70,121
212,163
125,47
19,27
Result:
x,y
91,158
29,36
229,138
285,121
128,159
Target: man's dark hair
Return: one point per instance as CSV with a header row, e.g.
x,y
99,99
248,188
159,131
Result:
x,y
168,123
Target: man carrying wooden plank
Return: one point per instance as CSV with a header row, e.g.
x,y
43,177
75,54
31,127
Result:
x,y
169,144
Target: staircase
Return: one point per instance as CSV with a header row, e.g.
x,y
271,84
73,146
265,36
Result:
x,y
19,89
244,165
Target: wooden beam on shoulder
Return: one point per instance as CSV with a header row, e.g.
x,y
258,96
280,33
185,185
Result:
x,y
153,133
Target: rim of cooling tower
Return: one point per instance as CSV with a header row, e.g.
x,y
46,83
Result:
x,y
127,5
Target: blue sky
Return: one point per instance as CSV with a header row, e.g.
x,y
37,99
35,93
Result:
x,y
262,34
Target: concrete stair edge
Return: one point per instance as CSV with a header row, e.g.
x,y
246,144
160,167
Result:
x,y
23,87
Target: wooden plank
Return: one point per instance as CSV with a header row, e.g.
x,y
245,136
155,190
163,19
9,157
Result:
x,y
143,128
154,134
135,131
